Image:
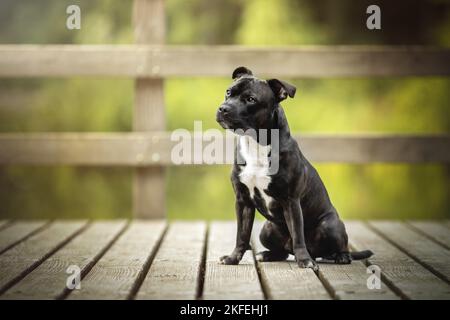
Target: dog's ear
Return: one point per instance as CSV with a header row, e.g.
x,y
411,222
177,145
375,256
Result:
x,y
281,89
241,71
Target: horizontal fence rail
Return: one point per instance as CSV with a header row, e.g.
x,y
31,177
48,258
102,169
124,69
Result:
x,y
149,62
159,61
148,149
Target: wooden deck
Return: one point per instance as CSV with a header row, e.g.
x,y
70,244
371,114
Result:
x,y
156,260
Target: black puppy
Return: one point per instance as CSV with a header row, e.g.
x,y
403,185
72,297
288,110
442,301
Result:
x,y
300,217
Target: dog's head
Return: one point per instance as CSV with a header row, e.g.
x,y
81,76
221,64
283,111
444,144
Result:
x,y
250,102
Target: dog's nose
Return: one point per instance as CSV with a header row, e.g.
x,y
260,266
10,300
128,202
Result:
x,y
224,109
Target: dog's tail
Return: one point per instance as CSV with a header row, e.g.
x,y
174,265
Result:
x,y
359,255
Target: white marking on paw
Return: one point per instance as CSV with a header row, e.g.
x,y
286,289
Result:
x,y
259,257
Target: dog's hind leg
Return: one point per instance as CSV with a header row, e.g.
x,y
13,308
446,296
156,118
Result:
x,y
274,238
333,241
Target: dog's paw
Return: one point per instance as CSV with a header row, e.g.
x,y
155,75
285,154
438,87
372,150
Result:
x,y
343,258
267,256
228,260
308,264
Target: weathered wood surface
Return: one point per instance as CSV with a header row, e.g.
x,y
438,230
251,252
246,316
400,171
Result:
x,y
175,271
407,277
155,149
158,61
349,282
229,281
180,260
345,282
115,275
438,232
419,247
15,233
285,280
48,280
26,256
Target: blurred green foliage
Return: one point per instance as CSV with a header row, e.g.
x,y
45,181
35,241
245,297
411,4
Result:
x,y
403,105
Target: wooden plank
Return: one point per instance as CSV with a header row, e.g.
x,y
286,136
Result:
x,y
139,149
149,111
174,273
18,232
48,280
408,278
149,22
375,148
173,61
284,280
82,149
235,282
435,230
26,256
349,282
149,193
116,273
422,249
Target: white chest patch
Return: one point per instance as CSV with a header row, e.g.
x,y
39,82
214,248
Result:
x,y
255,174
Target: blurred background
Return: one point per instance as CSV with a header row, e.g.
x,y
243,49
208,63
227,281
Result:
x,y
383,105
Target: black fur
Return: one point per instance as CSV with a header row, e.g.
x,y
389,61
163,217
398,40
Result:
x,y
301,219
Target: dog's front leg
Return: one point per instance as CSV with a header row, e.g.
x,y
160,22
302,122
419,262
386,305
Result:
x,y
294,220
245,216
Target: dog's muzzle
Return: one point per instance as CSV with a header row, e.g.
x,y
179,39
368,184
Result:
x,y
222,115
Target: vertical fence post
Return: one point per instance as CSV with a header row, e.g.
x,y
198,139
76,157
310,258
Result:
x,y
149,111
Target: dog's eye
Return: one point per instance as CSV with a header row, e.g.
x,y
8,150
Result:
x,y
251,100
228,93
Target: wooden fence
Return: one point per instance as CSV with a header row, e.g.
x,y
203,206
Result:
x,y
149,61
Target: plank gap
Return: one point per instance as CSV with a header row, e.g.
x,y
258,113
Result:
x,y
231,282
264,286
96,258
25,237
140,279
39,261
426,265
414,280
390,284
326,284
176,266
202,269
412,226
284,279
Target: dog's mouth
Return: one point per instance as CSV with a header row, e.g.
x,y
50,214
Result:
x,y
228,122
224,122
224,125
